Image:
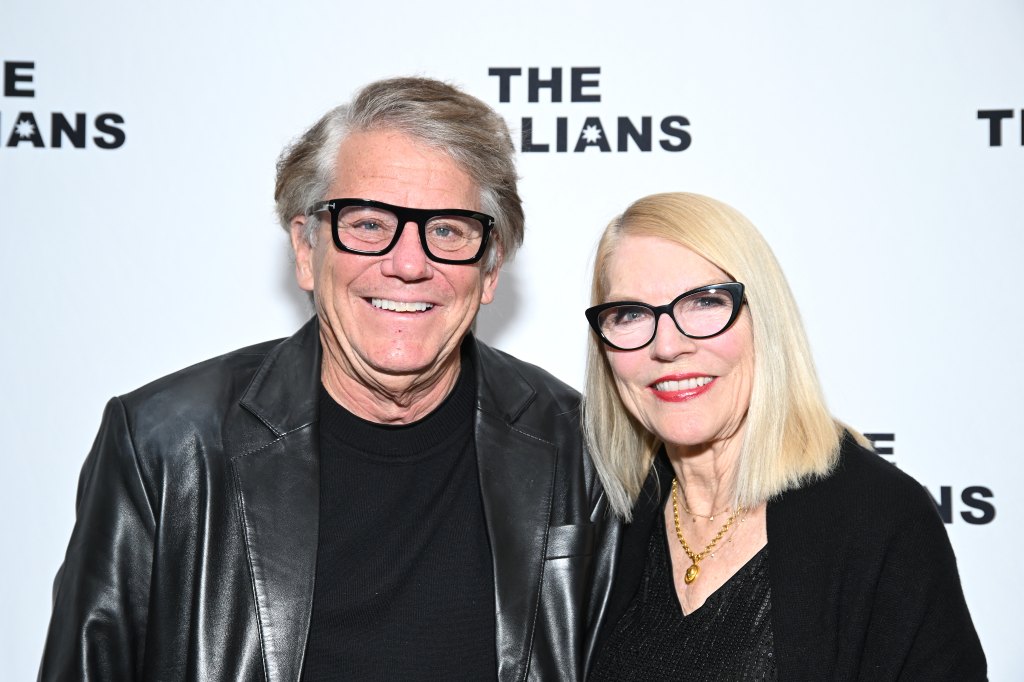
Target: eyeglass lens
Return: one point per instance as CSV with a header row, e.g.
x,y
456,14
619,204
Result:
x,y
370,229
702,314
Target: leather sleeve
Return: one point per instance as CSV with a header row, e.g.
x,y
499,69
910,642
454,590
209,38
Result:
x,y
98,626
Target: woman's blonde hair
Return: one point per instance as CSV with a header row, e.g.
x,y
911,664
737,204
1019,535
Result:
x,y
790,436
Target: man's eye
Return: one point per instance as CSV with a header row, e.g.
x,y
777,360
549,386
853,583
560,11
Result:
x,y
445,231
366,226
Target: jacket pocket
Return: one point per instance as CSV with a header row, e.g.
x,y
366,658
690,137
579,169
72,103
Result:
x,y
572,540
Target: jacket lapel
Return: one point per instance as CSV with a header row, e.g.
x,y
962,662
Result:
x,y
517,474
278,481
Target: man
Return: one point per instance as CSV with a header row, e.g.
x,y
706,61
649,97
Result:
x,y
380,496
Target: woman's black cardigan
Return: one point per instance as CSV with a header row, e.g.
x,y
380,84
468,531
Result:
x,y
864,584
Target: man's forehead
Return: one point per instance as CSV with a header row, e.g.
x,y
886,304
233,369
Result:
x,y
394,167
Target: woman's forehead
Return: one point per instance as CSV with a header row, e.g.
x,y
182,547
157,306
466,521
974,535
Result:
x,y
652,268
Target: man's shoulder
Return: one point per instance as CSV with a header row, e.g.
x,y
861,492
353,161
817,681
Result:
x,y
501,368
206,380
189,415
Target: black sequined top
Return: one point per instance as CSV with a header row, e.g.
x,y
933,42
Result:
x,y
728,638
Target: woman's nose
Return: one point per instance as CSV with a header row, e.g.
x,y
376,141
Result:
x,y
669,343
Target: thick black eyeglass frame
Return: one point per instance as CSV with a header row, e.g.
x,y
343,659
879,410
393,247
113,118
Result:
x,y
735,290
420,216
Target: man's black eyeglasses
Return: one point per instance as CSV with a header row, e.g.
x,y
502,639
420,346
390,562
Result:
x,y
372,228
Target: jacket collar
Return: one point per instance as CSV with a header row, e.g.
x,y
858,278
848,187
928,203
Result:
x,y
284,391
501,390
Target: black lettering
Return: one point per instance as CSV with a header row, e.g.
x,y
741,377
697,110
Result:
x,y
973,498
60,126
592,135
576,93
995,124
534,84
107,124
12,78
878,438
504,75
676,131
561,134
527,137
945,506
642,137
25,130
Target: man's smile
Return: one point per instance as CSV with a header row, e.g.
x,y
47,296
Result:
x,y
401,306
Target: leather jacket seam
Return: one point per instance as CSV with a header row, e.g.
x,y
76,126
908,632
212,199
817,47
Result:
x,y
130,433
277,438
263,420
240,506
257,450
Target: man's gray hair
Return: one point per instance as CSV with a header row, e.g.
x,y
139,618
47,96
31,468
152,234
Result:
x,y
434,113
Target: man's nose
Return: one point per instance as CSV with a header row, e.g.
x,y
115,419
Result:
x,y
407,260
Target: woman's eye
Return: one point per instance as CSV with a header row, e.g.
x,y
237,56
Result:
x,y
705,301
624,316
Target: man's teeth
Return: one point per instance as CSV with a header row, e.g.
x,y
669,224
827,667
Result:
x,y
684,385
401,306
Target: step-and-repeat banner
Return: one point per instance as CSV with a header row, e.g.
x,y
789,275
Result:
x,y
879,146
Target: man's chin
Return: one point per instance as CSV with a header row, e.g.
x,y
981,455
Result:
x,y
412,361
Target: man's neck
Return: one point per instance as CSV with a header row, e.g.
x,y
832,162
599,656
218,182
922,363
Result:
x,y
389,398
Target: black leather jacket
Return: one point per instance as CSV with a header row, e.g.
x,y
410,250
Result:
x,y
193,554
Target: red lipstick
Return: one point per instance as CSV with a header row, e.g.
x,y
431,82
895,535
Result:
x,y
681,394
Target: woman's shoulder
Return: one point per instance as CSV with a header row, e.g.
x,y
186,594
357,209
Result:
x,y
864,473
869,475
863,490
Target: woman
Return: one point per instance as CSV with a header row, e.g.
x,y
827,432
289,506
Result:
x,y
765,540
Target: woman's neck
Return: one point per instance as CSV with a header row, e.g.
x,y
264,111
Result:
x,y
706,474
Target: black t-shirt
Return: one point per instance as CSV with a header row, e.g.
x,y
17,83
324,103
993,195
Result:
x,y
404,580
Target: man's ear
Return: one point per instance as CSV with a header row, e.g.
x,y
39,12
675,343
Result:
x,y
490,279
303,253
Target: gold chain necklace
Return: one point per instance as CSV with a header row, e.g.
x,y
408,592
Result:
x,y
686,508
694,570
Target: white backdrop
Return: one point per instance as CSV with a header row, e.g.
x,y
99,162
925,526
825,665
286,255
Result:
x,y
849,132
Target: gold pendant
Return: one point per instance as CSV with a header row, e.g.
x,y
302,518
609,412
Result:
x,y
691,574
